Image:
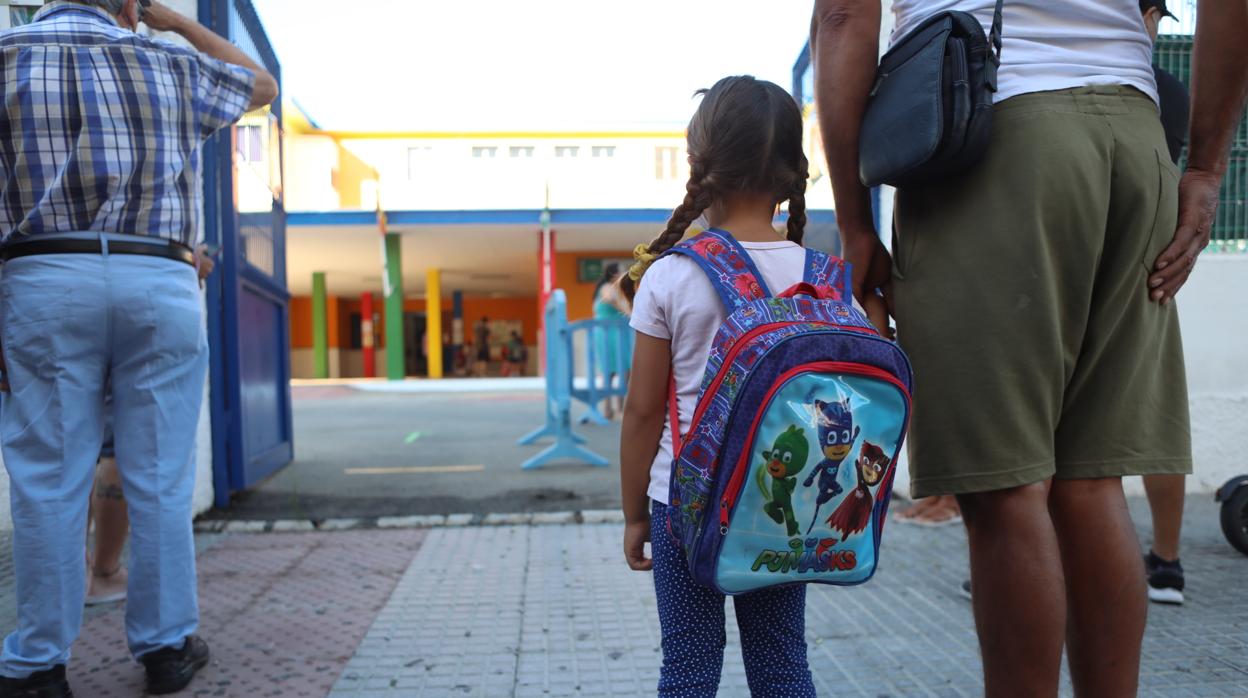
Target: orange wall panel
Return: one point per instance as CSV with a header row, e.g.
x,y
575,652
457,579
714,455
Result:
x,y
301,322
580,295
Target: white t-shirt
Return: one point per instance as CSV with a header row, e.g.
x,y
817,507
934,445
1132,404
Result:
x,y
1055,44
676,301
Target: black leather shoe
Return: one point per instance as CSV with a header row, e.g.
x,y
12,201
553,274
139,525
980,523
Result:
x,y
170,670
42,684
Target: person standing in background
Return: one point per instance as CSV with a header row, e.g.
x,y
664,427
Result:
x,y
481,332
99,210
1166,492
108,514
613,349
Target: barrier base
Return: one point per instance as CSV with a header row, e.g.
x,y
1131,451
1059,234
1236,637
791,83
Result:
x,y
562,450
593,415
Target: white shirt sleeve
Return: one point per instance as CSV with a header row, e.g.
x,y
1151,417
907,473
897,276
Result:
x,y
649,306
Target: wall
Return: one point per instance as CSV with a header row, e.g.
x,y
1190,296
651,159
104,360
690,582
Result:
x,y
443,174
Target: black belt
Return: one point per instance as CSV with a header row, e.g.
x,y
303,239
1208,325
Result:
x,y
79,243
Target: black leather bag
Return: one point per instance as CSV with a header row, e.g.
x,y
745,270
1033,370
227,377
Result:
x,y
930,110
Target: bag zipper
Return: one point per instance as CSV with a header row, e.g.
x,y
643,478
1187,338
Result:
x,y
733,490
740,345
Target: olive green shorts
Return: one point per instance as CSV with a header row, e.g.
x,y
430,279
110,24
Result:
x,y
1021,298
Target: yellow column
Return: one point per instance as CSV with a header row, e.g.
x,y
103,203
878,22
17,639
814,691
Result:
x,y
433,320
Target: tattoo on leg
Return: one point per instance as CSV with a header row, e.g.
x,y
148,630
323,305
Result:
x,y
110,491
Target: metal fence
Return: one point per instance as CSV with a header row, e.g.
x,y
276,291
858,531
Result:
x,y
1173,53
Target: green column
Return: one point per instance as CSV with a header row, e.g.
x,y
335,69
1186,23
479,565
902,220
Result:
x,y
396,363
320,330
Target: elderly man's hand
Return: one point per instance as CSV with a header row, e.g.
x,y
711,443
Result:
x,y
162,19
204,263
1198,202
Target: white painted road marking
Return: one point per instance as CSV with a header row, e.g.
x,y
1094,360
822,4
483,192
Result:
x,y
416,469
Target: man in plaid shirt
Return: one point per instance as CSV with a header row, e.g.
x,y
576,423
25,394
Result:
x,y
99,211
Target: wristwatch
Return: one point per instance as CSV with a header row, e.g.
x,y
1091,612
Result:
x,y
143,5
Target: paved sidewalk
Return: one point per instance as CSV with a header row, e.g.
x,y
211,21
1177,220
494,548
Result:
x,y
552,611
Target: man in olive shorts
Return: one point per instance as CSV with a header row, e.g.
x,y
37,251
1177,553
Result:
x,y
1033,294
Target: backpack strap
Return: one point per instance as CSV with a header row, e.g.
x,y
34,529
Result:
x,y
727,265
824,270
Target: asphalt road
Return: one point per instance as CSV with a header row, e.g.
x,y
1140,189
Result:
x,y
360,454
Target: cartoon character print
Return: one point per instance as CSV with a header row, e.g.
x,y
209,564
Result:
x,y
854,512
709,247
836,430
784,461
747,286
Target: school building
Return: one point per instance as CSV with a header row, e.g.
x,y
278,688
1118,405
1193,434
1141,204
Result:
x,y
476,225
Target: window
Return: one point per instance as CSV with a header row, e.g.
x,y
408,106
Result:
x,y
417,160
567,151
17,16
522,151
250,144
604,151
484,151
665,162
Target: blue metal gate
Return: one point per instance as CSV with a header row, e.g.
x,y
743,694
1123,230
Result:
x,y
248,313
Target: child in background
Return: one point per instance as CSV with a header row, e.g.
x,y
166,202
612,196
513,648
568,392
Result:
x,y
745,158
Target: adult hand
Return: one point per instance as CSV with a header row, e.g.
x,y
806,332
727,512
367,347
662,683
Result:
x,y
204,263
636,535
873,270
162,19
1198,201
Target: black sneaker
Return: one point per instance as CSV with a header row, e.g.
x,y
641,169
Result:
x,y
42,684
1165,579
965,589
170,670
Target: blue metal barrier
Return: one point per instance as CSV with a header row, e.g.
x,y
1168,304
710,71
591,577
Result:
x,y
605,377
559,393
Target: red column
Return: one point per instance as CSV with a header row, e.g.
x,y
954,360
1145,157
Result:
x,y
367,335
546,280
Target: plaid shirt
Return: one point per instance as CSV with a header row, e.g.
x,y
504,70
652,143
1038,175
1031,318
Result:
x,y
101,127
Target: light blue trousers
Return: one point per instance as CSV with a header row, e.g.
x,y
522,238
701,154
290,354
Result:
x,y
69,323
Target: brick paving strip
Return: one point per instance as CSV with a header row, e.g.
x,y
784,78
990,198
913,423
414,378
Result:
x,y
283,613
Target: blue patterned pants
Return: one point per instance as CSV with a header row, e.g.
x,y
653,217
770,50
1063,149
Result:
x,y
772,625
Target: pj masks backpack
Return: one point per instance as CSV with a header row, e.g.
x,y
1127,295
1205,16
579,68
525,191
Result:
x,y
787,470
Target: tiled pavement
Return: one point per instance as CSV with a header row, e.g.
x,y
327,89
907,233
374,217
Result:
x,y
550,610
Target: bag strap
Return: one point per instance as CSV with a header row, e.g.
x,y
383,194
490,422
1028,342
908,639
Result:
x,y
994,37
673,412
727,265
825,271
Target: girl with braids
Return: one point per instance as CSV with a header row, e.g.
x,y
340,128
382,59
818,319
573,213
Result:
x,y
745,159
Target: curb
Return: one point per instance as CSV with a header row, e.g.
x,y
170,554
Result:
x,y
552,518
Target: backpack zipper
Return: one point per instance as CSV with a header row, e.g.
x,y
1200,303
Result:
x,y
733,490
737,347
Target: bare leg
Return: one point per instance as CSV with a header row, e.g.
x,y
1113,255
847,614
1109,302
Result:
x,y
1165,499
1019,600
112,524
1104,586
608,410
941,509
